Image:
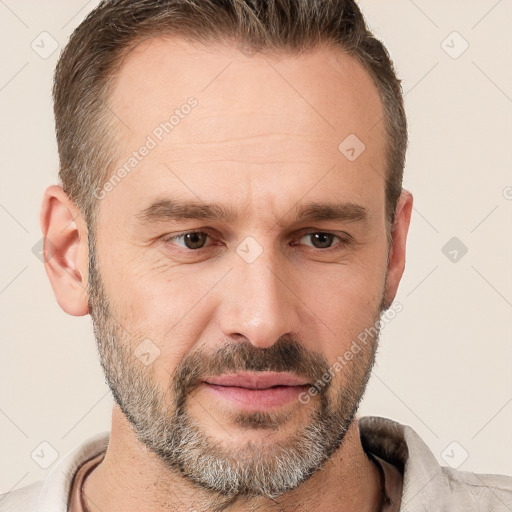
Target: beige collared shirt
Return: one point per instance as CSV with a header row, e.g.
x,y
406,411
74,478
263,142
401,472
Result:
x,y
415,481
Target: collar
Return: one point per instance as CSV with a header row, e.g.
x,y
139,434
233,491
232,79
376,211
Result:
x,y
393,442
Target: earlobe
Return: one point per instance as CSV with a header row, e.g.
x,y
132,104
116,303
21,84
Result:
x,y
65,250
396,263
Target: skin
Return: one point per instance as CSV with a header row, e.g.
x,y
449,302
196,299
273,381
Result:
x,y
263,139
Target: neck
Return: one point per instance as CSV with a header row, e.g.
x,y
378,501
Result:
x,y
132,478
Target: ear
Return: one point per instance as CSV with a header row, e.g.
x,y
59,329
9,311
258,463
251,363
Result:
x,y
65,250
396,263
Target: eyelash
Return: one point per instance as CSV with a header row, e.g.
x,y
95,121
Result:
x,y
345,240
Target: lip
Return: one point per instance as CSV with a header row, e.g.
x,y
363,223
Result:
x,y
256,391
256,380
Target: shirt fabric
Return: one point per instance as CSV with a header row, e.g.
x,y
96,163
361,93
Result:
x,y
414,480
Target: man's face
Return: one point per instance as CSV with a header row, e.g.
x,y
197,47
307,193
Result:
x,y
261,290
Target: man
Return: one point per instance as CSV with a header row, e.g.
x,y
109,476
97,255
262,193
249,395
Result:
x,y
231,215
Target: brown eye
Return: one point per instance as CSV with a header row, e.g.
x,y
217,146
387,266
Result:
x,y
321,240
195,240
192,240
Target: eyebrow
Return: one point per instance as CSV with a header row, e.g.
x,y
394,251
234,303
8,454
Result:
x,y
169,210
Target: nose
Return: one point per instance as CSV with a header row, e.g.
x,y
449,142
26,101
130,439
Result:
x,y
259,303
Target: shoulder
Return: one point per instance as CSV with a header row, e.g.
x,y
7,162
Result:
x,y
479,491
426,484
21,500
52,494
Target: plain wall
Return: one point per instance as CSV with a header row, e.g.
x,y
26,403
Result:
x,y
444,363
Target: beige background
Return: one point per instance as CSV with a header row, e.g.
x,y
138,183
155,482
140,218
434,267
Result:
x,y
444,365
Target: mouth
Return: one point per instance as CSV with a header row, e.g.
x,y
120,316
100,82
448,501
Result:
x,y
257,391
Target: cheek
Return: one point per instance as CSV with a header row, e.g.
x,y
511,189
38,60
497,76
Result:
x,y
346,291
170,306
148,289
346,300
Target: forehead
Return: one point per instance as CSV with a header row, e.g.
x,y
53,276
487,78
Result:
x,y
330,90
276,121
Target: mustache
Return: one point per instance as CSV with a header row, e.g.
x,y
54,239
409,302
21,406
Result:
x,y
286,355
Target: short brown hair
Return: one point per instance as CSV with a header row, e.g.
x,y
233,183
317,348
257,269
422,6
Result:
x,y
85,126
